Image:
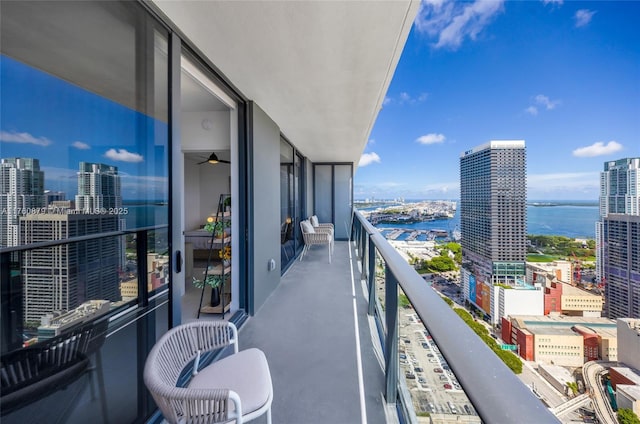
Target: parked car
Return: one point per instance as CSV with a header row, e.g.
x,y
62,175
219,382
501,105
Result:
x,y
425,345
447,386
418,369
439,370
410,375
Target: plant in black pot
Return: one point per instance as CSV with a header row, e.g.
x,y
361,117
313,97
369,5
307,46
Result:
x,y
213,281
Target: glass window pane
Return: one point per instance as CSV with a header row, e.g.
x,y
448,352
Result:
x,y
323,192
84,117
342,200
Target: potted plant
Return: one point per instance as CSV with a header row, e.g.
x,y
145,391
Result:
x,y
213,281
225,255
214,226
227,204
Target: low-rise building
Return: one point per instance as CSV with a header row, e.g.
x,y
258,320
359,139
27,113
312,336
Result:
x,y
557,376
629,342
561,340
628,397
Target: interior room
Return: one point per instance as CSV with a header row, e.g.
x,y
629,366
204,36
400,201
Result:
x,y
208,143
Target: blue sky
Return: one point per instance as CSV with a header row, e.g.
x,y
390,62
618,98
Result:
x,y
563,76
62,124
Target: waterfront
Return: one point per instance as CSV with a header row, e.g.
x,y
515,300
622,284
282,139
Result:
x,y
569,220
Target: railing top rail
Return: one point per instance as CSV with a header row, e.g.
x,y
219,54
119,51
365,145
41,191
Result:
x,y
495,391
96,236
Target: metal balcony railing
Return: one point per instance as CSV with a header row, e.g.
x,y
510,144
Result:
x,y
495,392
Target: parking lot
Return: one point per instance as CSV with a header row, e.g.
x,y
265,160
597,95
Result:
x,y
431,382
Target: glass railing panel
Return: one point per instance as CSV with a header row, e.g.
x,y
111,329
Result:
x,y
158,270
379,287
425,374
437,365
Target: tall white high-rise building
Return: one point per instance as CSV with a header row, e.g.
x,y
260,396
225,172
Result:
x,y
618,237
21,191
98,187
619,194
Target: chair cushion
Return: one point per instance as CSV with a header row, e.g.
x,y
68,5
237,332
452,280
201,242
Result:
x,y
246,373
307,227
314,220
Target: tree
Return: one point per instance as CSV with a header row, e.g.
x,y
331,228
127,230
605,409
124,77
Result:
x,y
441,264
627,416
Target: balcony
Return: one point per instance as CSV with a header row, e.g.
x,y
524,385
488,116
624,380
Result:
x,y
339,355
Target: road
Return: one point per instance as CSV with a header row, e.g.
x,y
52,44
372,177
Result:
x,y
593,372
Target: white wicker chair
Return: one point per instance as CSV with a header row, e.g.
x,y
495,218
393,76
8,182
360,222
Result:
x,y
313,219
313,236
237,387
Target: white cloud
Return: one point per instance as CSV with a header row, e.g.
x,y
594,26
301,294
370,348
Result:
x,y
583,17
122,155
543,100
23,138
452,21
558,2
432,138
532,110
598,149
80,145
368,158
406,98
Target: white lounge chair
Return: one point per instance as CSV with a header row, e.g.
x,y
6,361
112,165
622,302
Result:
x,y
237,387
312,237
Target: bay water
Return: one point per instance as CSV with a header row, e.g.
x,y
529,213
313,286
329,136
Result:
x,y
570,220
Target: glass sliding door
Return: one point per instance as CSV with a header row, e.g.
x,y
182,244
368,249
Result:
x,y
208,190
84,195
287,205
299,200
333,196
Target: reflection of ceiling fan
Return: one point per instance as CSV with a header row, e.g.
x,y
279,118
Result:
x,y
213,159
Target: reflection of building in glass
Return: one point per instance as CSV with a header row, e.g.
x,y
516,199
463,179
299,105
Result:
x,y
158,275
493,222
51,197
21,190
619,194
55,323
98,187
60,278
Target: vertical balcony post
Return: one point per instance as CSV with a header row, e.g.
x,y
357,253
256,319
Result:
x,y
391,342
371,275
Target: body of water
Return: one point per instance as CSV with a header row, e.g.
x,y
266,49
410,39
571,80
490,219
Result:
x,y
572,221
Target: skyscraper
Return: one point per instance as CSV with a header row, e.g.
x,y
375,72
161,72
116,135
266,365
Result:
x,y
618,237
21,191
493,220
60,278
619,194
98,187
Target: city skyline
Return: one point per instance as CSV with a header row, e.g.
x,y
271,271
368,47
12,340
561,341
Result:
x,y
75,131
563,76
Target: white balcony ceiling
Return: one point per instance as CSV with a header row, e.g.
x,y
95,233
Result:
x,y
319,69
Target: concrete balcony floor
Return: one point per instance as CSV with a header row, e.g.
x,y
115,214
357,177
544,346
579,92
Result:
x,y
307,329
